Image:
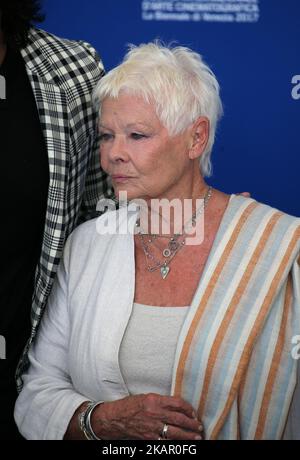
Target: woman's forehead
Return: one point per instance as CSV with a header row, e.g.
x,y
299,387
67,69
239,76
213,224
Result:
x,y
131,108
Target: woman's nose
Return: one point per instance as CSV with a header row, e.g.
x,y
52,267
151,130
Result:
x,y
118,150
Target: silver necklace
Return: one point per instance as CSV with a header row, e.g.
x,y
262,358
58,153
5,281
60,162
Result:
x,y
174,245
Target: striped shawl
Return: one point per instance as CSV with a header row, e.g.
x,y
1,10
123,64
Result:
x,y
234,359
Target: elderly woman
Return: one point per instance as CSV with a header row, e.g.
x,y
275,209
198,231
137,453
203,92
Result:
x,y
147,336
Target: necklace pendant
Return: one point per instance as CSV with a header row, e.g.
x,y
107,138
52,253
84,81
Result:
x,y
164,270
166,252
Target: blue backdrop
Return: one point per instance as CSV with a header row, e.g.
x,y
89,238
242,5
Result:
x,y
253,46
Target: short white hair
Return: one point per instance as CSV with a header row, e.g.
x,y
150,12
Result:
x,y
176,80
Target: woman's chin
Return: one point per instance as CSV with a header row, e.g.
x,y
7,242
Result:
x,y
124,195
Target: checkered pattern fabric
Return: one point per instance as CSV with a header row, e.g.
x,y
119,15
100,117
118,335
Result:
x,y
63,74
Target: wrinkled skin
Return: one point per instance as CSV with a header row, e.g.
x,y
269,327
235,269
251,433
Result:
x,y
143,417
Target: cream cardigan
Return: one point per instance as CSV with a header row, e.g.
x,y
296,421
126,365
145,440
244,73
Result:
x,y
233,361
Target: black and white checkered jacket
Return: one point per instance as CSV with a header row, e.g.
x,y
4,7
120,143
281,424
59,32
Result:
x,y
62,75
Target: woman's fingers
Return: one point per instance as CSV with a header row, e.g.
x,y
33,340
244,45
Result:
x,y
173,403
246,194
174,432
180,420
176,414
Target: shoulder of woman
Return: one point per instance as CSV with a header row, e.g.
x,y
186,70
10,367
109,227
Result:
x,y
263,209
261,222
103,229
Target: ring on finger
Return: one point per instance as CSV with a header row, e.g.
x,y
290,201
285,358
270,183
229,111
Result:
x,y
164,431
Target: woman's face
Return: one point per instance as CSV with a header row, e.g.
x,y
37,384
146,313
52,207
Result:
x,y
137,151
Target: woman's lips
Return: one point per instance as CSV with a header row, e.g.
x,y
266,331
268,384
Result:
x,y
120,178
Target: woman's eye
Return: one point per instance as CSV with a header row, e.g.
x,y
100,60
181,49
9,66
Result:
x,y
137,136
105,137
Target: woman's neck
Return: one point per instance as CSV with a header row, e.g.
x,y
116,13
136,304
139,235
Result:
x,y
174,212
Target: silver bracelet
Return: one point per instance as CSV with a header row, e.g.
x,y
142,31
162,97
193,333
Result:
x,y
84,419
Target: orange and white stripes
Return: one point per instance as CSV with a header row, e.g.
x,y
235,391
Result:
x,y
240,317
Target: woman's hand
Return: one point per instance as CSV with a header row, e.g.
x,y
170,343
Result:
x,y
144,417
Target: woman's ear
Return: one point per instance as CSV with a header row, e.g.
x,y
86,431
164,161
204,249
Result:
x,y
199,137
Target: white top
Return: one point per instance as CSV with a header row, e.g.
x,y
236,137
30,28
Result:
x,y
148,348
